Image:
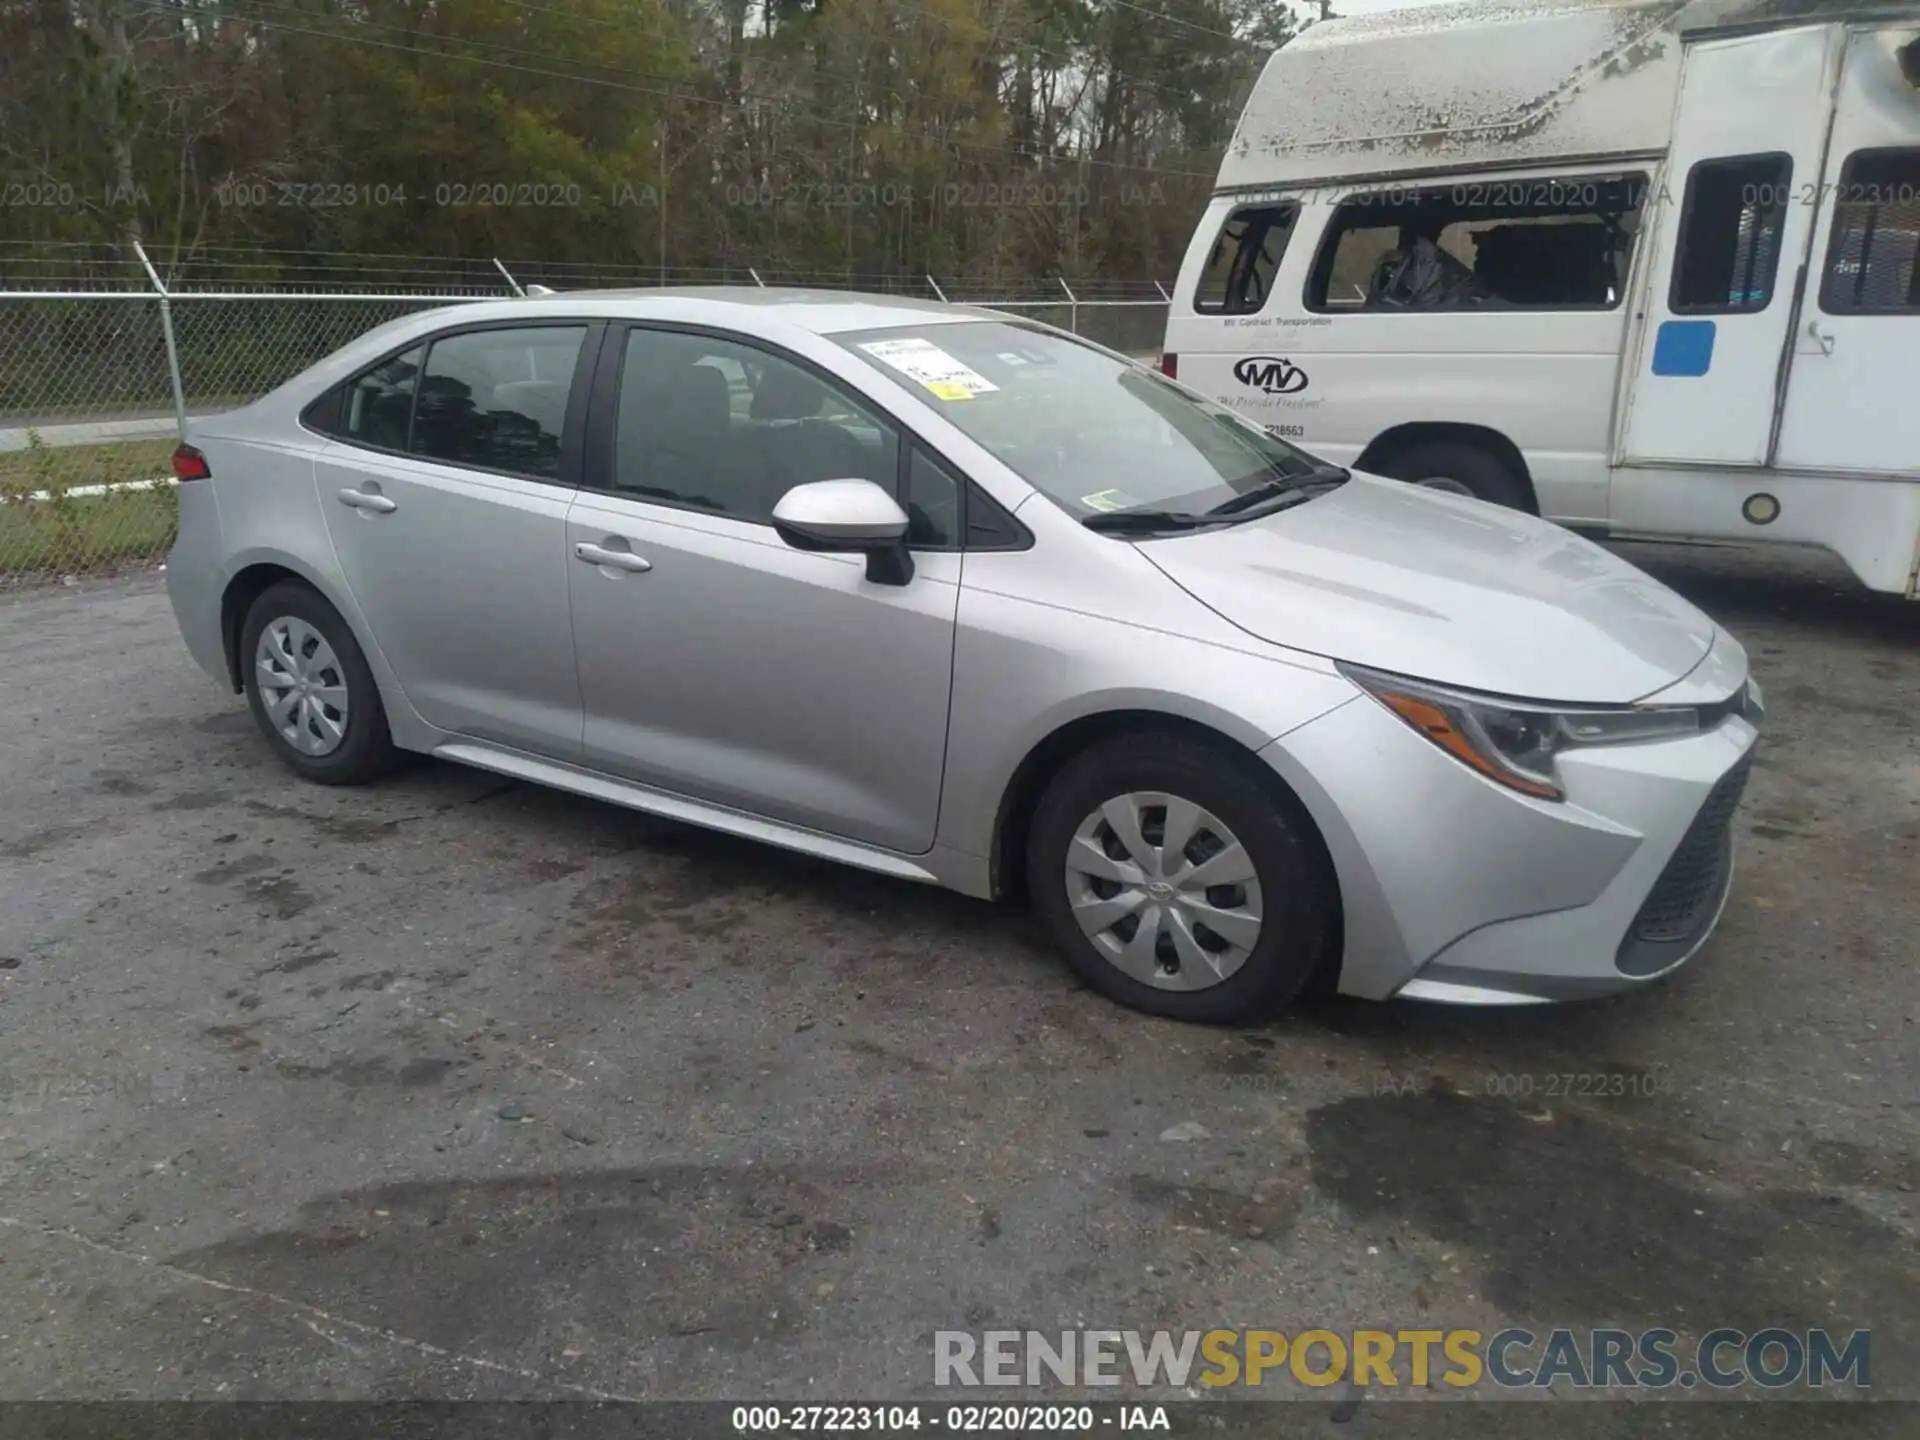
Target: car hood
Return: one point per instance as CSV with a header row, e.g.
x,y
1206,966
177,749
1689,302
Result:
x,y
1445,589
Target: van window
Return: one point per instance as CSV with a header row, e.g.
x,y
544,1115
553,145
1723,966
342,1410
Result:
x,y
1556,244
1873,260
1729,251
1244,259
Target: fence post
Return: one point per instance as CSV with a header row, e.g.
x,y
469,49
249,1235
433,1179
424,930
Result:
x,y
1073,307
173,348
512,284
938,291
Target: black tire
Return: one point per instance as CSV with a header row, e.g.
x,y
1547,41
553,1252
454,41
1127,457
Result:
x,y
1298,928
365,752
1476,468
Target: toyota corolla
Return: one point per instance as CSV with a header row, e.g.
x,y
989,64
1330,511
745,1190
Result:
x,y
968,601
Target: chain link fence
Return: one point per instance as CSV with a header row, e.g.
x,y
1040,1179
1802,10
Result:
x,y
92,404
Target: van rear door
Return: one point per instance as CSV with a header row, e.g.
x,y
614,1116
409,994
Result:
x,y
1851,402
1731,237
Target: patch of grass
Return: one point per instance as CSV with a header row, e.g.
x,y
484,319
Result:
x,y
69,534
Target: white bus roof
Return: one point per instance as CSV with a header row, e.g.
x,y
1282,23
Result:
x,y
1480,84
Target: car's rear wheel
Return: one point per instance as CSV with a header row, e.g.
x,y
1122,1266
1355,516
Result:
x,y
310,690
1176,881
1455,467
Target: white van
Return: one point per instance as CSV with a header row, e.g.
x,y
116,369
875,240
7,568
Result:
x,y
1646,267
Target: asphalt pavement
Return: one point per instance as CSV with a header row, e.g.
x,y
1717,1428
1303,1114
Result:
x,y
455,1087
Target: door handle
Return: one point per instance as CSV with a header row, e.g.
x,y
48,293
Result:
x,y
1820,337
360,500
612,559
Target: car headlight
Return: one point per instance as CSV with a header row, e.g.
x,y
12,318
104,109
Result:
x,y
1513,741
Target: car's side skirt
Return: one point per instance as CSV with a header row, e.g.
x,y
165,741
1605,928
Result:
x,y
540,771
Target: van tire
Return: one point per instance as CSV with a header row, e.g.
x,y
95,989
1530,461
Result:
x,y
1467,466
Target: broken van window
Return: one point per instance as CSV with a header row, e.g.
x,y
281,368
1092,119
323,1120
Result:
x,y
1244,259
1729,252
1551,244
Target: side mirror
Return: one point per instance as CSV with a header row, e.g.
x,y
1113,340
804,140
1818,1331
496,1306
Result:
x,y
846,517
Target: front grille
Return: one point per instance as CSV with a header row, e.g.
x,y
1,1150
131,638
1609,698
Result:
x,y
1692,878
1681,904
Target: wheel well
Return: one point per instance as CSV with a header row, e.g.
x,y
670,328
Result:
x,y
241,592
1390,445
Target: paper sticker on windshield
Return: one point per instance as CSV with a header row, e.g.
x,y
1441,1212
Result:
x,y
1107,500
931,367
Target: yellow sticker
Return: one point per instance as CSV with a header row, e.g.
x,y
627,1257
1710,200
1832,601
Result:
x,y
948,389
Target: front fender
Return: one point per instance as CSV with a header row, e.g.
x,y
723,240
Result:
x,y
1020,676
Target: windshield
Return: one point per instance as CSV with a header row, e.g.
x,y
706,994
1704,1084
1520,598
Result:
x,y
1095,434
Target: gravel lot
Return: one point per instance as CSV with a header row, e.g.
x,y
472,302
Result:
x,y
461,1088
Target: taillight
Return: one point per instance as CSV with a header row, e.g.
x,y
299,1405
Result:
x,y
190,464
1170,365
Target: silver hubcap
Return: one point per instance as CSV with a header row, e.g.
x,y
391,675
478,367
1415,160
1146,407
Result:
x,y
302,687
1165,891
1446,483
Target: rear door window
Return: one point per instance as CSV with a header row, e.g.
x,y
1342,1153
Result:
x,y
497,399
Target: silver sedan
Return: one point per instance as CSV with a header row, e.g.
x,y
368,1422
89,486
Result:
x,y
965,600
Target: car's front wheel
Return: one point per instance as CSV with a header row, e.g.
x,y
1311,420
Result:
x,y
1179,883
310,690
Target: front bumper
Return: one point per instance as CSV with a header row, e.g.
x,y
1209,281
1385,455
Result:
x,y
1455,888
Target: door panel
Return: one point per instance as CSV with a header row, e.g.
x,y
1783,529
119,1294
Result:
x,y
716,660
1850,394
1729,246
463,578
738,670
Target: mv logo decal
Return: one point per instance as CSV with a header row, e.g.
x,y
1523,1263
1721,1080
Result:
x,y
1270,374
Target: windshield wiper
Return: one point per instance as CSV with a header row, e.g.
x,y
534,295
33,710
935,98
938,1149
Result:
x,y
1126,522
1276,493
1288,488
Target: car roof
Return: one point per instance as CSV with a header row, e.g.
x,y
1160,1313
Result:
x,y
745,307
